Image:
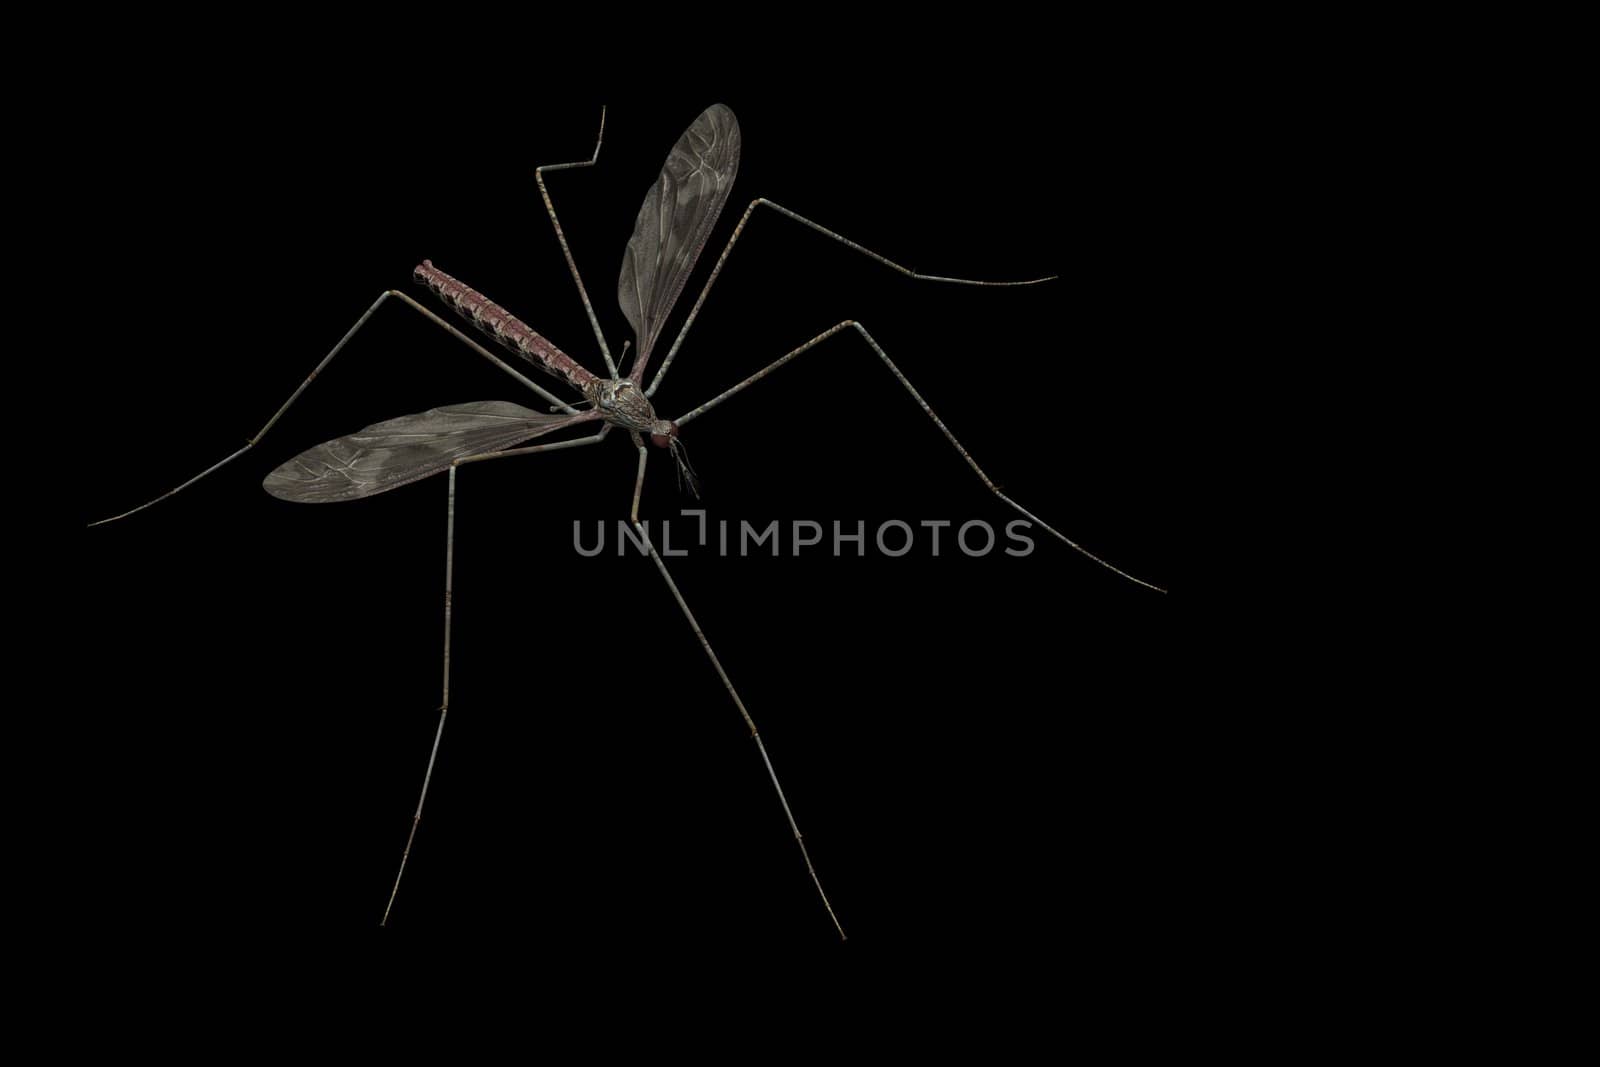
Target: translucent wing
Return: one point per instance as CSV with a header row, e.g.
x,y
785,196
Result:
x,y
390,454
674,222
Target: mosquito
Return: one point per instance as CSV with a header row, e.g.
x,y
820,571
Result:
x,y
675,221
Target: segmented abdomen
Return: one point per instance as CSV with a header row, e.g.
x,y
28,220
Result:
x,y
500,324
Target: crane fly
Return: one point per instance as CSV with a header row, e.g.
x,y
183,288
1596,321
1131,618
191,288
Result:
x,y
673,226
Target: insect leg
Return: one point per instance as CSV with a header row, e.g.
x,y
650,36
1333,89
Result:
x,y
550,207
780,209
449,581
727,683
923,404
560,404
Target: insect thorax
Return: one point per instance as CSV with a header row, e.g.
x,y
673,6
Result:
x,y
624,404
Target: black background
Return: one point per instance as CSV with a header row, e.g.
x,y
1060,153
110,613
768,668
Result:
x,y
988,750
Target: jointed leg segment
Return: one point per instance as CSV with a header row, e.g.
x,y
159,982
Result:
x,y
727,683
449,583
550,207
923,404
559,404
786,213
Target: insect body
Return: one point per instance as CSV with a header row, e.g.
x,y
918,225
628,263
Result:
x,y
674,223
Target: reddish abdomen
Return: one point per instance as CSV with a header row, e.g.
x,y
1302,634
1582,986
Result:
x,y
500,324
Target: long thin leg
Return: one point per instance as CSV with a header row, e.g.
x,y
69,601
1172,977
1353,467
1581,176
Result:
x,y
549,206
785,212
560,404
449,583
727,683
923,404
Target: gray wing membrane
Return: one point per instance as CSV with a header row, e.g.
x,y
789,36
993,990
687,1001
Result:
x,y
674,223
387,455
